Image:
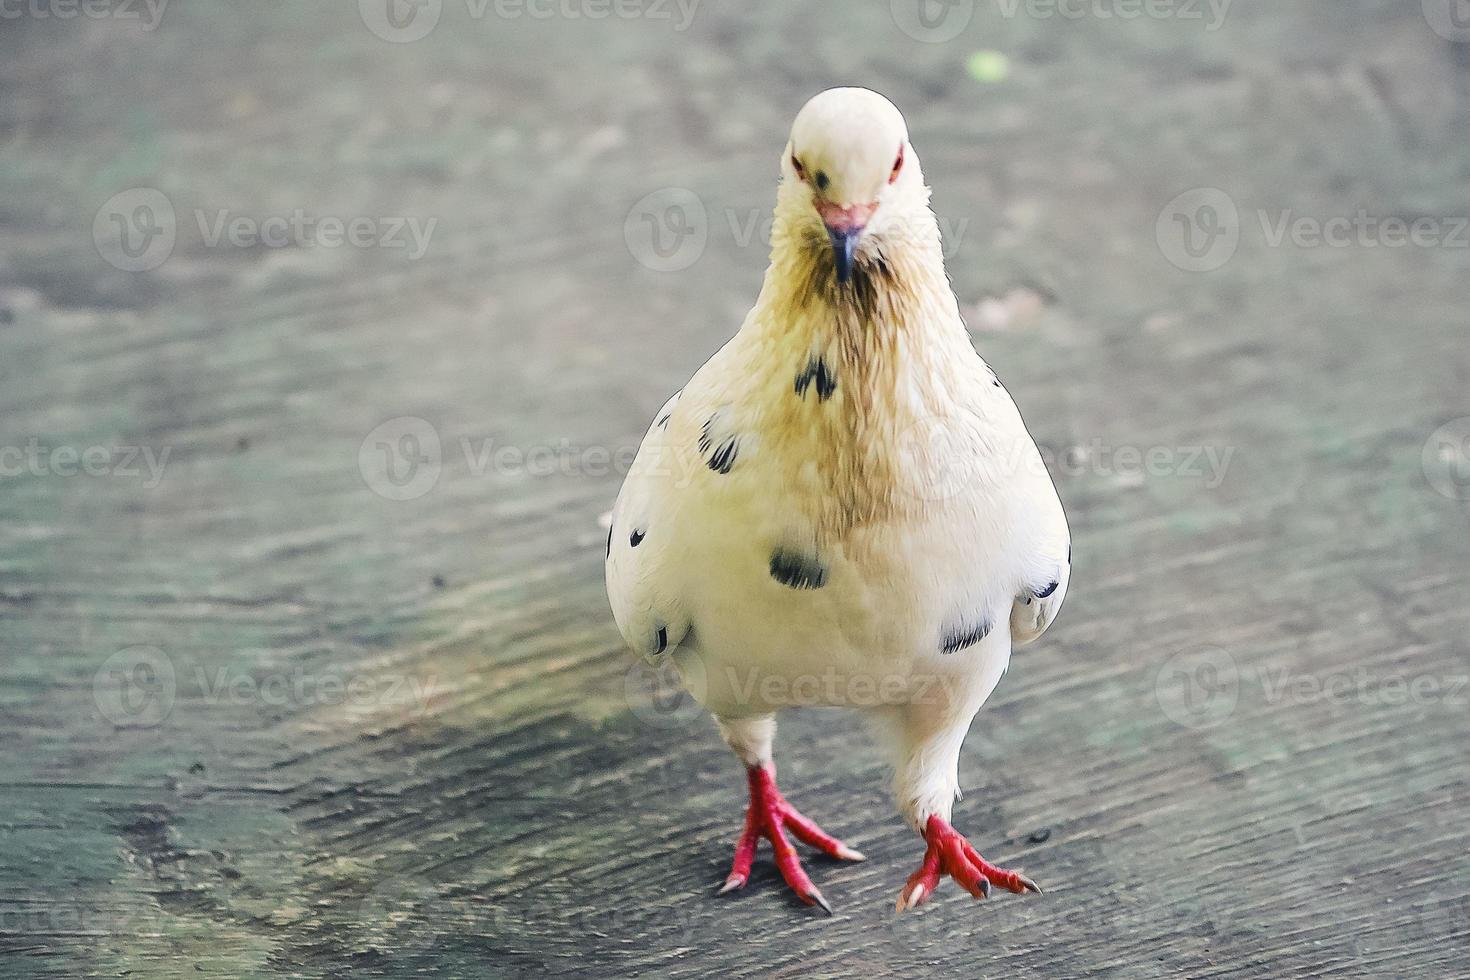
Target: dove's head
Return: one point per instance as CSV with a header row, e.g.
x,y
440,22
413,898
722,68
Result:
x,y
851,172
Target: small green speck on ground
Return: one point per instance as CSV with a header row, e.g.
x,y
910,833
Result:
x,y
988,67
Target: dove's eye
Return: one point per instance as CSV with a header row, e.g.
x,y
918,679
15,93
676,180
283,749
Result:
x,y
796,165
897,166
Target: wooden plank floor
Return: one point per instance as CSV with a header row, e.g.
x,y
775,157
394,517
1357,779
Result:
x,y
308,670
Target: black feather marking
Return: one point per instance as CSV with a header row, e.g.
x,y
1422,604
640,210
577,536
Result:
x,y
816,370
796,570
636,538
959,637
719,456
1048,590
723,459
662,638
663,423
609,540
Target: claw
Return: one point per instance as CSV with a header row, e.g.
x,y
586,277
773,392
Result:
x,y
731,883
912,900
818,898
845,853
949,854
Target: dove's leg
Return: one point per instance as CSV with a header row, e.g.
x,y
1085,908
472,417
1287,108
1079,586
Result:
x,y
929,737
770,816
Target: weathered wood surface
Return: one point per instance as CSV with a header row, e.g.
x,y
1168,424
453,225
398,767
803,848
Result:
x,y
492,795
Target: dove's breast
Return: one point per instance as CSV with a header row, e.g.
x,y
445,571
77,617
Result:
x,y
723,554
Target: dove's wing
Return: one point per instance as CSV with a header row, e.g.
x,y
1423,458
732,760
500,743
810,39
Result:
x,y
642,583
1037,605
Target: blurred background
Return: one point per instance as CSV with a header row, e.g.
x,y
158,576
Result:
x,y
328,329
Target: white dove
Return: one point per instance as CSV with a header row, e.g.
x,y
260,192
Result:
x,y
843,505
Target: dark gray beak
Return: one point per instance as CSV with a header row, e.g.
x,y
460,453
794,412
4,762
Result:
x,y
844,246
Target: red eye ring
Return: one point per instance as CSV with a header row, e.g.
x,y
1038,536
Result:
x,y
800,170
897,165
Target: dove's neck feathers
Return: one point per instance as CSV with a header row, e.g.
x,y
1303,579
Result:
x,y
897,312
890,342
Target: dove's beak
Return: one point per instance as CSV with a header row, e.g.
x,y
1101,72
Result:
x,y
845,228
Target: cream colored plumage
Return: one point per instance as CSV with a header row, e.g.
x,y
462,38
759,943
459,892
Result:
x,y
843,506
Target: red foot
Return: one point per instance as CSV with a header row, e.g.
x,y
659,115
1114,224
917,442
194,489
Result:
x,y
769,816
951,854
